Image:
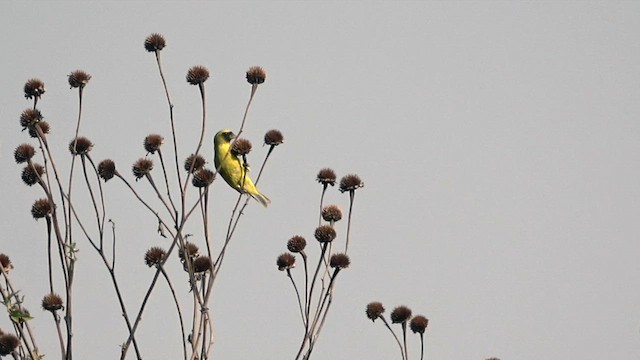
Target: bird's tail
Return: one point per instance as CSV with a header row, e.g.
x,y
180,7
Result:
x,y
261,198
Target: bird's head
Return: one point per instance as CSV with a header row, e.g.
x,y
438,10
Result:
x,y
224,136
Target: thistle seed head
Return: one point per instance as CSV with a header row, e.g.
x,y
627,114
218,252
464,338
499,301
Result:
x,y
34,88
190,249
326,177
202,264
154,42
142,167
23,153
331,213
106,169
374,310
350,182
296,244
154,256
52,302
80,146
241,147
256,75
32,173
339,261
8,343
325,234
41,208
197,161
203,178
6,264
400,314
286,261
153,142
418,324
42,125
30,117
197,75
79,79
273,137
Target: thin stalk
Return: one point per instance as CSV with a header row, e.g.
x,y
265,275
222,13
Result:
x,y
175,300
297,296
402,352
352,194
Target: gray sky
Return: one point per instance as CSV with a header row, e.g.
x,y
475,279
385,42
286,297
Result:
x,y
498,142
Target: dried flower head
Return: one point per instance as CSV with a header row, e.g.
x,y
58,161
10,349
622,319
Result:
x,y
418,324
23,153
339,261
30,117
6,264
154,42
80,146
52,302
202,264
42,125
350,182
331,213
203,178
374,310
197,75
241,147
189,248
107,169
256,75
41,208
142,167
79,79
326,177
31,173
196,161
273,137
286,261
8,343
296,244
34,88
400,314
153,142
325,233
154,256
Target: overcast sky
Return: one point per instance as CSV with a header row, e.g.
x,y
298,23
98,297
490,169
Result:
x,y
499,144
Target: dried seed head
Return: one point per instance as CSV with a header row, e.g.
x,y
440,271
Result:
x,y
419,324
8,343
107,169
44,127
400,314
241,147
6,264
326,177
23,153
30,117
79,79
80,146
153,142
374,310
197,75
325,233
189,248
273,137
34,88
196,160
154,256
350,182
201,264
286,261
154,42
41,208
340,261
203,178
256,75
296,244
32,173
142,167
52,302
331,213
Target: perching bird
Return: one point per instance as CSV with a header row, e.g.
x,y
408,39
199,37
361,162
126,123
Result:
x,y
232,169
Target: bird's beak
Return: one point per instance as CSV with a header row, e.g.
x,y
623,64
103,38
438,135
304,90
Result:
x,y
230,136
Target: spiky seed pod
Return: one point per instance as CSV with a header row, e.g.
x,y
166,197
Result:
x,y
30,117
418,324
154,42
241,147
339,261
203,178
142,167
256,75
23,153
201,264
80,146
331,213
325,233
350,182
44,127
52,302
286,261
374,310
6,264
8,343
197,161
79,79
106,169
189,248
273,137
197,75
154,256
34,88
400,314
153,142
32,173
296,244
41,208
326,177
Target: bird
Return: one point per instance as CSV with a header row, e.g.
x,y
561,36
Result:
x,y
232,169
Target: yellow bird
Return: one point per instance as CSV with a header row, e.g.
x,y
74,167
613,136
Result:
x,y
232,169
